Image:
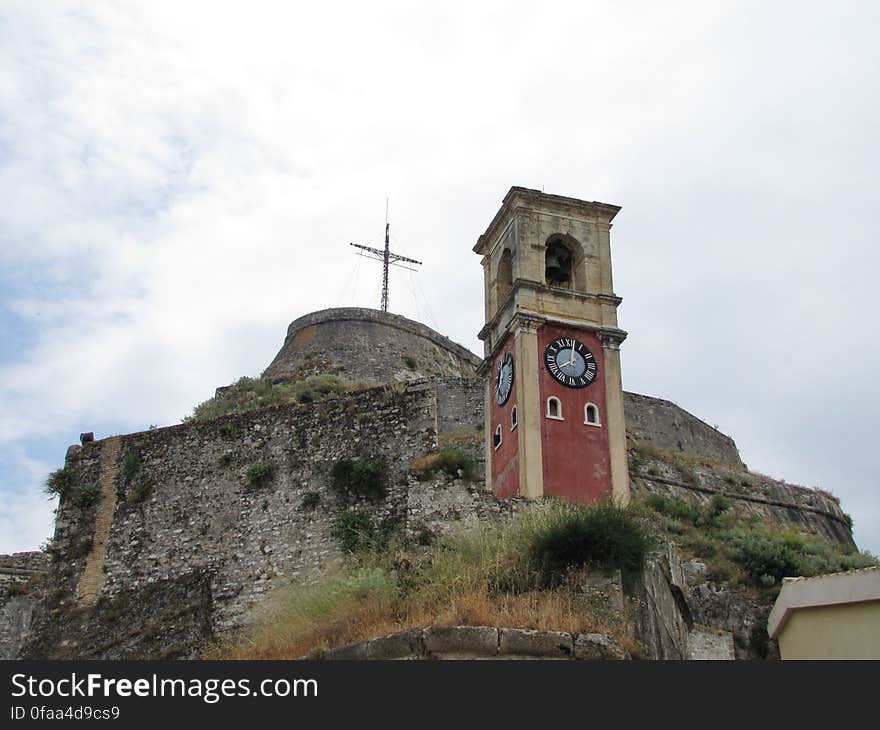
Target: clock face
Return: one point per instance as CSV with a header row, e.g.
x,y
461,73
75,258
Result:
x,y
504,379
571,363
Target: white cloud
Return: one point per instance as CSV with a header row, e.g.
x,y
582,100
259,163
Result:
x,y
180,180
26,518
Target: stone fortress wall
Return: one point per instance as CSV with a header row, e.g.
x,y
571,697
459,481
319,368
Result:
x,y
663,424
370,346
182,547
206,546
188,524
16,604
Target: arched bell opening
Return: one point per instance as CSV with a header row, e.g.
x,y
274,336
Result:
x,y
504,276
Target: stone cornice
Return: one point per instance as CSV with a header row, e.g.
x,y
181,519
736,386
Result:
x,y
519,198
528,284
529,321
360,314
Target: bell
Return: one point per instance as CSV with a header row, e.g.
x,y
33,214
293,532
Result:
x,y
557,268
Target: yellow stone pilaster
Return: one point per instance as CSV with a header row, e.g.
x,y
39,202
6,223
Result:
x,y
531,464
615,422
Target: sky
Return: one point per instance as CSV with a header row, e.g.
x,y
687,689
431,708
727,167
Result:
x,y
179,181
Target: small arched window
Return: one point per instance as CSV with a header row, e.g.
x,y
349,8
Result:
x,y
496,441
504,276
554,408
513,420
591,415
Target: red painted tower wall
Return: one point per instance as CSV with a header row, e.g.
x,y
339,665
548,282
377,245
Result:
x,y
505,461
576,456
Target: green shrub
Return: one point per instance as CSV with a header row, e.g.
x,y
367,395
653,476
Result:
x,y
712,512
86,496
14,589
701,545
258,475
59,482
676,527
453,461
250,394
354,531
818,557
688,475
228,431
139,492
764,554
310,500
131,464
718,504
600,536
359,478
456,462
636,460
674,507
409,361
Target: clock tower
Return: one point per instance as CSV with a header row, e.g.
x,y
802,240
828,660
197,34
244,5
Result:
x,y
554,403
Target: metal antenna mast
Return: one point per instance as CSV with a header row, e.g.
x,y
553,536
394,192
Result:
x,y
387,258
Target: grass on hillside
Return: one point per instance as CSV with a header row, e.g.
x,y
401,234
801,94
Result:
x,y
741,549
250,394
641,451
452,461
527,574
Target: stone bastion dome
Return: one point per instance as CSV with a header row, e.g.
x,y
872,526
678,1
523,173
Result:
x,y
367,346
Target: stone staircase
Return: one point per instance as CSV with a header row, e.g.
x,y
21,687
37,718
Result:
x,y
92,578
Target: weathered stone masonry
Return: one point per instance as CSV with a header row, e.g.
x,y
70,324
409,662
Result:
x,y
205,535
202,513
365,345
17,604
184,548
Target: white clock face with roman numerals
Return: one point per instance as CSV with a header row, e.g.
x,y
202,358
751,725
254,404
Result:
x,y
504,379
571,363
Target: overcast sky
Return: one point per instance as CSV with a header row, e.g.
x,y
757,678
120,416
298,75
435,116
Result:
x,y
180,180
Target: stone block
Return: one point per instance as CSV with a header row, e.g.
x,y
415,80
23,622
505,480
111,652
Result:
x,y
517,643
461,642
351,652
598,646
401,645
695,571
710,644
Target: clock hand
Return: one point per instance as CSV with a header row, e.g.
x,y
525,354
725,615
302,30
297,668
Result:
x,y
571,362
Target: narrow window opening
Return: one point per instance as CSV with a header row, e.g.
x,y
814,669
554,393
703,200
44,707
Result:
x,y
554,408
497,439
504,277
591,415
513,418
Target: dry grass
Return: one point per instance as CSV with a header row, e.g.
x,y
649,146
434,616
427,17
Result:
x,y
675,457
453,438
424,464
452,460
476,577
290,635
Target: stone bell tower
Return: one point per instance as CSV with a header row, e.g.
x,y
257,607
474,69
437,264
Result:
x,y
554,403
